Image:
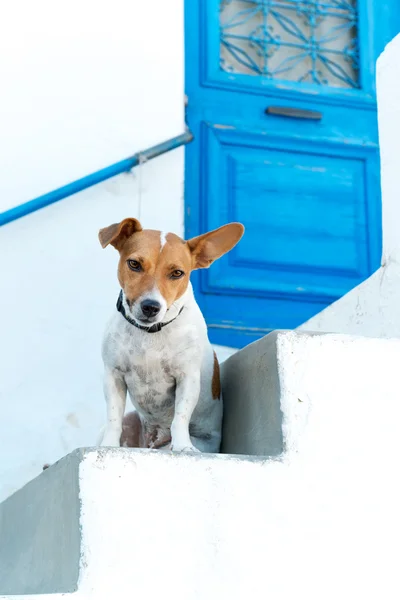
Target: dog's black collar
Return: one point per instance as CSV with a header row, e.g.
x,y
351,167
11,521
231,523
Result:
x,y
153,328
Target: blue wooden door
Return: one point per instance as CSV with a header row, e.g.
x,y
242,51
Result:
x,y
281,100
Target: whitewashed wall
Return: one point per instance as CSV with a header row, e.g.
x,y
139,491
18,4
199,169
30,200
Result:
x,y
372,308
84,85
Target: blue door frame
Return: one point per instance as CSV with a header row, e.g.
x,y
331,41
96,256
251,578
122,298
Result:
x,y
306,188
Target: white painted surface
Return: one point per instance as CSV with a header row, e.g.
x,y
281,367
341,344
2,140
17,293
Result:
x,y
84,85
372,308
59,289
323,522
74,596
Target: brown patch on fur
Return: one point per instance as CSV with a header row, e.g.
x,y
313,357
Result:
x,y
158,263
117,233
212,245
137,435
132,435
216,380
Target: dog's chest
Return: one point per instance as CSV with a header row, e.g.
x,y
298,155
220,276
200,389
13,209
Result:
x,y
150,364
151,385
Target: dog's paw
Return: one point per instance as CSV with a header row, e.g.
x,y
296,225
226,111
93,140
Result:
x,y
189,448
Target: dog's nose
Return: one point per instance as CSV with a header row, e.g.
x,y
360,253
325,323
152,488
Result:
x,y
150,308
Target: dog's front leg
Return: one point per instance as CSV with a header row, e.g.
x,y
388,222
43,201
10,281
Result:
x,y
115,395
186,397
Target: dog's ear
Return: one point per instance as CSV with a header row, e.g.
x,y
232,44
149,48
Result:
x,y
208,247
117,233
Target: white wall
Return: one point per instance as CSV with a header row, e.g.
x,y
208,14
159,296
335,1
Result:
x,y
372,308
82,87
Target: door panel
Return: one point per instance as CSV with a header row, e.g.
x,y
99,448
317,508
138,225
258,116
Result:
x,y
327,245
306,189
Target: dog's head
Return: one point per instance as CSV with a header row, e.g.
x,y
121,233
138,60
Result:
x,y
154,267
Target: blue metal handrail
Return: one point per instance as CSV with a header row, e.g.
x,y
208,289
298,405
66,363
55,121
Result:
x,y
81,184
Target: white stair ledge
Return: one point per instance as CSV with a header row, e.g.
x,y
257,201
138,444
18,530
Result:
x,y
320,520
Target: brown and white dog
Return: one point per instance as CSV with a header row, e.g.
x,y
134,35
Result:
x,y
156,345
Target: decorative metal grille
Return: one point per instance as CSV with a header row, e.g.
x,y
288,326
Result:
x,y
313,41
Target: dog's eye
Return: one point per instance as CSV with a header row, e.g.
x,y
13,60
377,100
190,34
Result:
x,y
177,274
134,265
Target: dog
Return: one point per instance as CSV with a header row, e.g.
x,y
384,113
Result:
x,y
156,345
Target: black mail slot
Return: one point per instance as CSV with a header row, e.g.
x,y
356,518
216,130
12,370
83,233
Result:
x,y
293,113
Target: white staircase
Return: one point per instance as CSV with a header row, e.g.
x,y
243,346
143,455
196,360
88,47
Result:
x,y
312,513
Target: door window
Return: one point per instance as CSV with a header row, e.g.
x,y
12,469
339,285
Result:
x,y
307,41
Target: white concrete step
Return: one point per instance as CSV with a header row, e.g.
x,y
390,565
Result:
x,y
314,513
